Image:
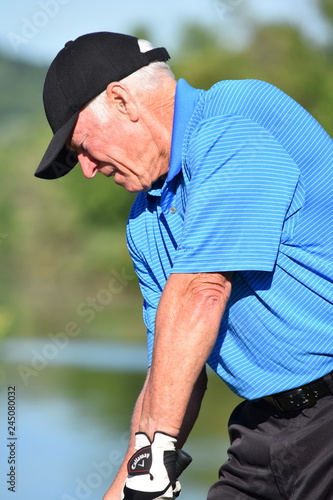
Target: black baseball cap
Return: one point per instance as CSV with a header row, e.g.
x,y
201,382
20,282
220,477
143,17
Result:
x,y
81,71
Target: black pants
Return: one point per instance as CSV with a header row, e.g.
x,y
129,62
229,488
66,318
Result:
x,y
278,456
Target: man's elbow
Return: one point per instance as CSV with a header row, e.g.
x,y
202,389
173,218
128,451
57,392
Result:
x,y
210,290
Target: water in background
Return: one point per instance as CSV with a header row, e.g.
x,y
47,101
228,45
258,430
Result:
x,y
74,404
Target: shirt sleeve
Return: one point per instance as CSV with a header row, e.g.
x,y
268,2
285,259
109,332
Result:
x,y
240,183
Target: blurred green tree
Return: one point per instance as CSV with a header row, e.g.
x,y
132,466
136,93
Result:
x,y
326,6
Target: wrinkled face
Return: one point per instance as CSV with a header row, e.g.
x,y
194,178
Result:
x,y
126,147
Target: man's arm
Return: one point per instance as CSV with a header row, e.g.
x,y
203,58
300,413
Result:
x,y
115,490
114,493
193,408
187,324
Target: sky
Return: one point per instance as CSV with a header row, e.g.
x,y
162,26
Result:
x,y
37,29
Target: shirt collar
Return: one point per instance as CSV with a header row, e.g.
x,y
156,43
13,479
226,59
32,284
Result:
x,y
185,101
186,98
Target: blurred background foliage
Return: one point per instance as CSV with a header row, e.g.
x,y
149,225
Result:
x,y
62,241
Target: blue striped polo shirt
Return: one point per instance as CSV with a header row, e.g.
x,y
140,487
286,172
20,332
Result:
x,y
249,190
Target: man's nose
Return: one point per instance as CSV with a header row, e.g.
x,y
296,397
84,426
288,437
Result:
x,y
88,166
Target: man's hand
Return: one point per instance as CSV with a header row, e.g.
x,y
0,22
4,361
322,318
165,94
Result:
x,y
154,468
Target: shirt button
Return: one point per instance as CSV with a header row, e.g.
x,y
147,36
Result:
x,y
173,210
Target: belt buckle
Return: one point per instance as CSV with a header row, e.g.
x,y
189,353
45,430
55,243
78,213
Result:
x,y
296,399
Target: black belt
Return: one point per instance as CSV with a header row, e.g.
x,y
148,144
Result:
x,y
301,397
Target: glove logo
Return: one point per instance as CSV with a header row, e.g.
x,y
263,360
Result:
x,y
141,461
136,461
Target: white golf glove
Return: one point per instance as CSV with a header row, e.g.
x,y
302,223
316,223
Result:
x,y
154,468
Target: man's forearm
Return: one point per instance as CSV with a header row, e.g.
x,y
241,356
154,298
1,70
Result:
x,y
187,324
115,490
193,408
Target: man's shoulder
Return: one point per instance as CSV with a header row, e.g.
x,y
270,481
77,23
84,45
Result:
x,y
235,96
256,101
249,85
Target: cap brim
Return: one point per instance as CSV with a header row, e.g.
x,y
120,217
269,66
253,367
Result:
x,y
58,159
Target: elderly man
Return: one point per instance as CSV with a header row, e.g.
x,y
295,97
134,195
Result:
x,y
231,237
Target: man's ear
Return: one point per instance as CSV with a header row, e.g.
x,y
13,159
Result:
x,y
122,101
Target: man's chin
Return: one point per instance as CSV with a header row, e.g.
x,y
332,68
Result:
x,y
131,189
120,180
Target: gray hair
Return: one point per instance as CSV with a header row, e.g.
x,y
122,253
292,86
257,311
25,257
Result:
x,y
146,79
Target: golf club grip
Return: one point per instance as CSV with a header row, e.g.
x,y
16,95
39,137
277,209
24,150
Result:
x,y
183,460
